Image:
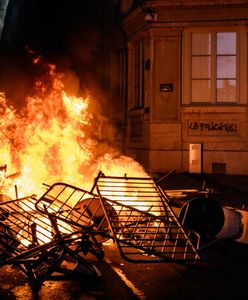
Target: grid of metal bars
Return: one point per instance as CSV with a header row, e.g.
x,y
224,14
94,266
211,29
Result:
x,y
22,226
144,222
76,209
39,235
39,244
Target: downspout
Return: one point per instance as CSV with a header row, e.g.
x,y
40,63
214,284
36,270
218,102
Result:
x,y
119,17
126,71
3,11
181,98
125,87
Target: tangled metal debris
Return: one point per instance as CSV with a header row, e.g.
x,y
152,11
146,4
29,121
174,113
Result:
x,y
57,232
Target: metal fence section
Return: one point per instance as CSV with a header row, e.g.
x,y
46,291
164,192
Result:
x,y
142,222
74,208
39,244
56,232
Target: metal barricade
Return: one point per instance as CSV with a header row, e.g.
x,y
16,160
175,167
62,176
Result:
x,y
143,222
39,245
56,232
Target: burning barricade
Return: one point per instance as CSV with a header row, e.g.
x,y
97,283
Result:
x,y
67,223
60,138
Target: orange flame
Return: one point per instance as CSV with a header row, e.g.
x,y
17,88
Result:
x,y
56,137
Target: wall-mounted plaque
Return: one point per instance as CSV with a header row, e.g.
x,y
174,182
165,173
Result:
x,y
166,87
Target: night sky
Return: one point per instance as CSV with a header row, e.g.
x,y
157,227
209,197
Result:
x,y
50,24
68,33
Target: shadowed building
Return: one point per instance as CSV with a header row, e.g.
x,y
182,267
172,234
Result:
x,y
184,84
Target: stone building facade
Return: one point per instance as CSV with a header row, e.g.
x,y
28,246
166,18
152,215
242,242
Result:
x,y
183,84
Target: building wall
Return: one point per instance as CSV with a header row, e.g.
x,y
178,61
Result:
x,y
160,132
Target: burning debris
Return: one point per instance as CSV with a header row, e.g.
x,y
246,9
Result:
x,y
65,137
67,223
57,232
60,137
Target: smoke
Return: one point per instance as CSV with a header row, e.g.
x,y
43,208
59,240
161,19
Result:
x,y
69,34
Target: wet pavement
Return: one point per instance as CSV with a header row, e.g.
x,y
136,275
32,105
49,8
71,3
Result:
x,y
223,276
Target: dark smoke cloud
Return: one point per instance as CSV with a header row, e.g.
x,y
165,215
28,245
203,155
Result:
x,y
47,24
67,33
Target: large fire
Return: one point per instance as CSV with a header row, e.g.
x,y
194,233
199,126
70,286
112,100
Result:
x,y
55,137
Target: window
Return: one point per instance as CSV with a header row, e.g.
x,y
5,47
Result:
x,y
226,79
138,75
212,72
201,67
117,78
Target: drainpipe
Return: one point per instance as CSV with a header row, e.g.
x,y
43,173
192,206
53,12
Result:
x,y
125,87
3,10
120,15
132,5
